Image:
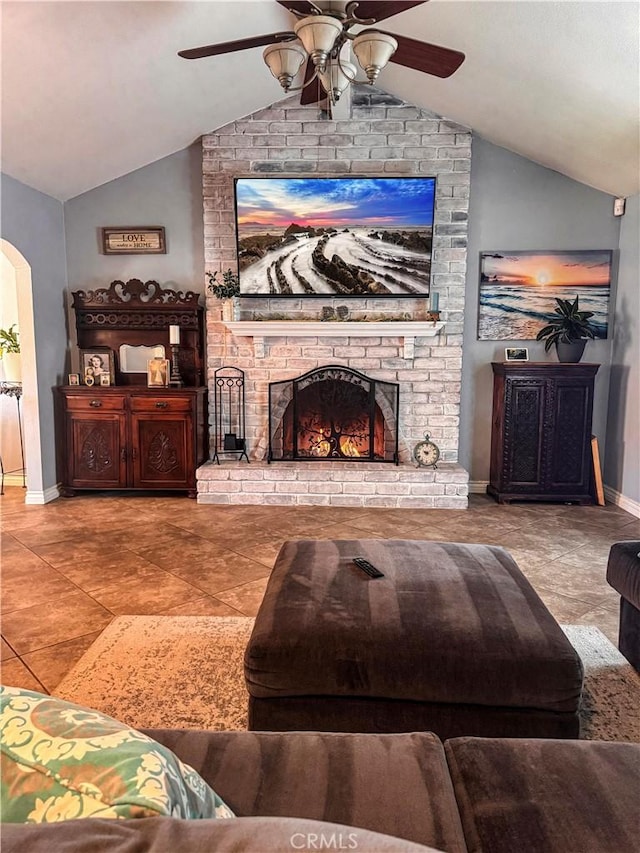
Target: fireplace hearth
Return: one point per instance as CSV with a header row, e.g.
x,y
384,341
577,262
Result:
x,y
333,413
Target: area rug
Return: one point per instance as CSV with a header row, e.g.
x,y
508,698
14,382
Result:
x,y
187,672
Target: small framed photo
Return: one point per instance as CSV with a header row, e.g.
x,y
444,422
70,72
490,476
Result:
x,y
74,379
96,362
105,380
158,372
516,354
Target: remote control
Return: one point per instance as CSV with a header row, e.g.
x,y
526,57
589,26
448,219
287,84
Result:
x,y
366,566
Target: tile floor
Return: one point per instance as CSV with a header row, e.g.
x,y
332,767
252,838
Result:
x,y
69,567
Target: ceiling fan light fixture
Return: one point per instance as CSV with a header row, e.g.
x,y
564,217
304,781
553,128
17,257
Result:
x,y
284,61
336,78
373,50
318,34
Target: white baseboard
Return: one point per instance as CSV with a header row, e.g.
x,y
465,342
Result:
x,y
478,487
622,501
38,498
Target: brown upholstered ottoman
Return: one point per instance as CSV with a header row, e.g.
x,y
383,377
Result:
x,y
453,639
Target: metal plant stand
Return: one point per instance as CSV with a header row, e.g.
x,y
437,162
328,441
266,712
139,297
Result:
x,y
229,413
13,389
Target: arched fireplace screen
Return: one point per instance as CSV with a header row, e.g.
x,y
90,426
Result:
x,y
333,413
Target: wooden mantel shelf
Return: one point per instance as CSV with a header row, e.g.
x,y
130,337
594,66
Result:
x,y
407,329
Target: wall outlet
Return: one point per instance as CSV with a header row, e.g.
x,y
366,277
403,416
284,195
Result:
x,y
618,206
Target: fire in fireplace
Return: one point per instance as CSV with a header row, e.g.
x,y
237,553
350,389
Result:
x,y
333,413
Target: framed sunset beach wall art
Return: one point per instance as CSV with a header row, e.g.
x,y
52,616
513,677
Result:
x,y
518,290
342,237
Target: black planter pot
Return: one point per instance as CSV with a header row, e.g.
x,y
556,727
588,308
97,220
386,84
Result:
x,y
570,353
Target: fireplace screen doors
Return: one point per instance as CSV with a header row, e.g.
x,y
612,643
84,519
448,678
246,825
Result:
x,y
333,413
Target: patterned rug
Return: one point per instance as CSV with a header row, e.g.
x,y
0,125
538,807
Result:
x,y
187,672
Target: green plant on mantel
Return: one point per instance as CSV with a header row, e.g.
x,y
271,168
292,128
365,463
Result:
x,y
9,342
225,289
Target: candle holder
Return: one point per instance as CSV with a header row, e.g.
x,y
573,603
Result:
x,y
175,380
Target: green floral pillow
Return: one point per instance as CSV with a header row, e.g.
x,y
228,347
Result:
x,y
61,761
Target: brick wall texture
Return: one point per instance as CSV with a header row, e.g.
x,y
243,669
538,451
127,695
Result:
x,y
386,137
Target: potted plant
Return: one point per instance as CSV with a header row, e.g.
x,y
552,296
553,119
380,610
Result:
x,y
227,290
569,331
10,353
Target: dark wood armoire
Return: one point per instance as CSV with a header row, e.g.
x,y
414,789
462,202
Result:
x,y
541,432
130,436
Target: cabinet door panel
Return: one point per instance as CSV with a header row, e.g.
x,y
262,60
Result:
x,y
98,458
569,448
524,434
162,451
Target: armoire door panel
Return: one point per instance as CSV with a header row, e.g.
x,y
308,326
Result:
x,y
570,456
162,451
524,434
98,459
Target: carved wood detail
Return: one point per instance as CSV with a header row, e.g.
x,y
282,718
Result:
x,y
163,454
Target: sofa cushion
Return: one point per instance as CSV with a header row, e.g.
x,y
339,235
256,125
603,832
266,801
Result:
x,y
623,570
546,796
159,835
61,761
396,784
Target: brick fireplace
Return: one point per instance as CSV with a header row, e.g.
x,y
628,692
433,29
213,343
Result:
x,y
384,137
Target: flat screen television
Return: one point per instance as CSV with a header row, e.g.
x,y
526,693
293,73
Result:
x,y
346,237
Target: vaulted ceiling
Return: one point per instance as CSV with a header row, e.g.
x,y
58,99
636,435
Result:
x,y
93,90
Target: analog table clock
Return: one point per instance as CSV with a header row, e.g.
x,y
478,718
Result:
x,y
426,453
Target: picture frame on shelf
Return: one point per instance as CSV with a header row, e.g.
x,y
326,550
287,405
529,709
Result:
x,y
516,354
158,372
96,362
105,380
74,379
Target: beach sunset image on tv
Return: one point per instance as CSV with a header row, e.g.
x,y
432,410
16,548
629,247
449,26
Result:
x,y
518,290
334,236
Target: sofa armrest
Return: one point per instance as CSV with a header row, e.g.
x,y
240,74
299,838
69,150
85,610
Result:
x,y
623,570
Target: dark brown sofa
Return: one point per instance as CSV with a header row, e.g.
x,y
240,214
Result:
x,y
623,574
470,795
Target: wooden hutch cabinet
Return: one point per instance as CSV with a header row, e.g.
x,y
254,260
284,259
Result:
x,y
129,436
541,432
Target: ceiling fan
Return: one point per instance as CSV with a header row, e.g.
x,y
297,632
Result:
x,y
318,38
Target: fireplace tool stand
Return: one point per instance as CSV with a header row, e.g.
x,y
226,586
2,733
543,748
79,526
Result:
x,y
229,413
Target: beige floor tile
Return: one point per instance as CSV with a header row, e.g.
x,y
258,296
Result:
x,y
183,554
16,674
222,573
207,606
6,652
109,569
146,595
51,664
565,610
586,583
605,619
63,554
33,582
246,598
43,625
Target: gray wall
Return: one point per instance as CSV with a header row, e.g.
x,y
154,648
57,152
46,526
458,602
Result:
x,y
622,458
34,224
167,192
516,204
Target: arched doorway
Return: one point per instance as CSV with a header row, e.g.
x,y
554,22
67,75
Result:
x,y
18,275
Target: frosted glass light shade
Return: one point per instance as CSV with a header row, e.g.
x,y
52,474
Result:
x,y
373,50
318,34
284,61
336,78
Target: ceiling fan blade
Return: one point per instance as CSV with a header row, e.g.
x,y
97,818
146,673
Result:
x,y
232,46
302,6
314,92
381,9
428,58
